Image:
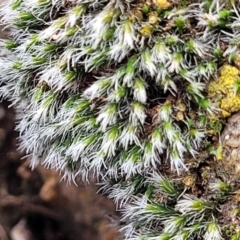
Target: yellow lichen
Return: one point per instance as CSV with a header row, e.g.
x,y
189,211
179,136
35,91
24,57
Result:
x,y
230,105
164,4
146,30
153,17
228,70
223,91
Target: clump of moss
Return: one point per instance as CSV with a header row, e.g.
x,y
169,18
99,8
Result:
x,y
119,89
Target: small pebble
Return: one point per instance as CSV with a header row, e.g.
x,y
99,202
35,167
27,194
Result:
x,y
21,231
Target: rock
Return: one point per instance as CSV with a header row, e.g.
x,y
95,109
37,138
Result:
x,y
230,140
21,231
49,191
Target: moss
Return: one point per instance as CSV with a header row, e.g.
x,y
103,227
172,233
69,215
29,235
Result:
x,y
120,90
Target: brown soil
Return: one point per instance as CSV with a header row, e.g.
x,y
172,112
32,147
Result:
x,y
35,205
